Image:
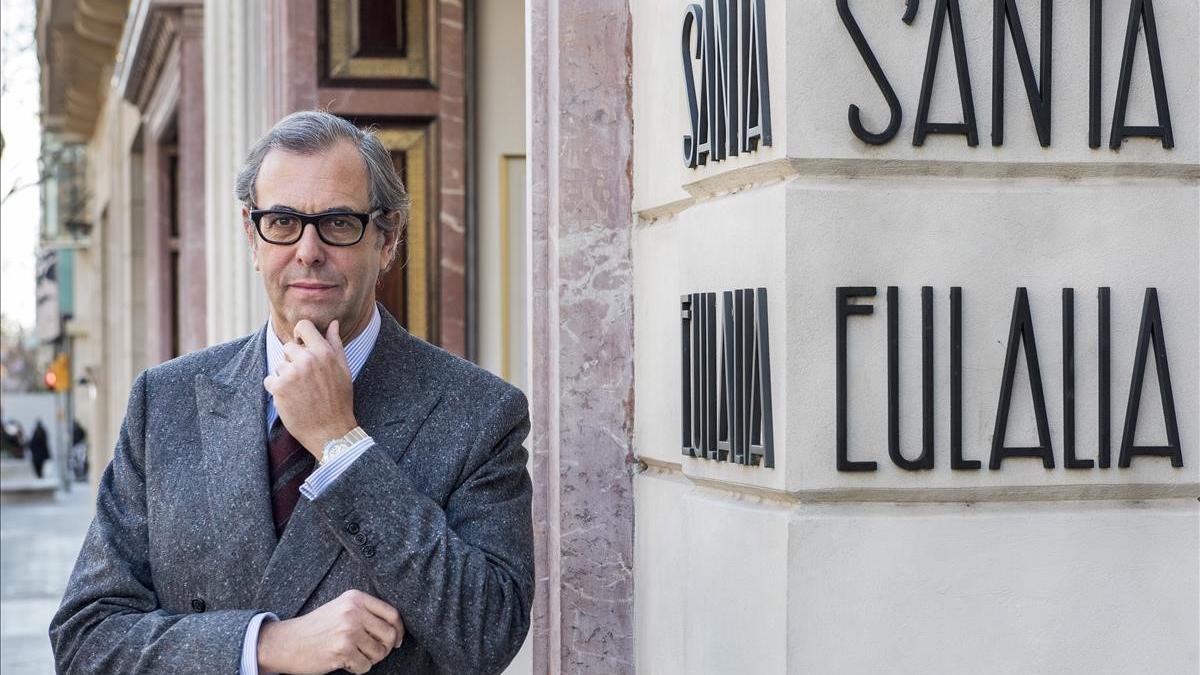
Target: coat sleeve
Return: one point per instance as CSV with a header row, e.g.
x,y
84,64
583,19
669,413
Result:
x,y
461,577
110,619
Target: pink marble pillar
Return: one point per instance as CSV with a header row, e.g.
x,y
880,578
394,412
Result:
x,y
292,65
451,235
580,153
158,254
193,328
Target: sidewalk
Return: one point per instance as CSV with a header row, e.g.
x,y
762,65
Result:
x,y
39,540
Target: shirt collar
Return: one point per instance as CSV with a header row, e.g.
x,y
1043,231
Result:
x,y
356,352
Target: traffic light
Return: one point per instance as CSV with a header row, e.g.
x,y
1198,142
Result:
x,y
58,375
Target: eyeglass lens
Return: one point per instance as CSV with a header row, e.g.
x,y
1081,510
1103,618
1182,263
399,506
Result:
x,y
334,228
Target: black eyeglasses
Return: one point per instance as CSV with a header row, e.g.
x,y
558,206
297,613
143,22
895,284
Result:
x,y
336,228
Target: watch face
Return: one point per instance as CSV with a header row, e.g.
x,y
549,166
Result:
x,y
339,445
333,450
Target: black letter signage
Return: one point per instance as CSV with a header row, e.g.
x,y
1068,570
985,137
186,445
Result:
x,y
756,93
844,311
967,126
1151,330
885,87
695,145
1021,330
726,117
1142,11
1020,335
727,417
956,451
925,460
1039,96
1037,85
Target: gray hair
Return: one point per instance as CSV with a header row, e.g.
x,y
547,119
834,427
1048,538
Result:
x,y
311,131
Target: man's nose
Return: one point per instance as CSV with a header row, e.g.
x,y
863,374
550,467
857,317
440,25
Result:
x,y
310,250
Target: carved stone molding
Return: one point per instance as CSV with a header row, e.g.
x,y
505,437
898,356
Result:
x,y
154,28
77,40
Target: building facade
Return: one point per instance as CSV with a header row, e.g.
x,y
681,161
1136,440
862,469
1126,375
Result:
x,y
157,103
951,425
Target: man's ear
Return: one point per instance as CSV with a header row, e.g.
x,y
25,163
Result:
x,y
386,242
251,236
391,237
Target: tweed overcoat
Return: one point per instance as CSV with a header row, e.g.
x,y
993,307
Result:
x,y
434,519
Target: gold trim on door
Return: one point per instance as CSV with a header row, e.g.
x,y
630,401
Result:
x,y
414,144
342,26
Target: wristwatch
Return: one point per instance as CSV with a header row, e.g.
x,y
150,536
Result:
x,y
339,445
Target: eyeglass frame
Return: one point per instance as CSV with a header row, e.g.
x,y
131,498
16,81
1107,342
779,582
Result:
x,y
313,219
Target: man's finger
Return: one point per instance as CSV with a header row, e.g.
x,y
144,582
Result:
x,y
358,662
371,647
382,610
296,330
283,368
269,383
383,632
292,351
334,337
308,335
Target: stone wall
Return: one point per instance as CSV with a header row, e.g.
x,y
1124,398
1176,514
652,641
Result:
x,y
805,567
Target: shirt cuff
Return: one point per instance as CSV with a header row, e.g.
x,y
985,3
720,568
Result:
x,y
327,473
250,644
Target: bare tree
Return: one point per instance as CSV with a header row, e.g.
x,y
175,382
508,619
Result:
x,y
18,361
50,164
19,74
18,42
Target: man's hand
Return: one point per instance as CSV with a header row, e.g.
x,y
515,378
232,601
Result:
x,y
312,388
354,631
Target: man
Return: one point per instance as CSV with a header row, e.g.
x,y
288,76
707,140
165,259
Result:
x,y
327,493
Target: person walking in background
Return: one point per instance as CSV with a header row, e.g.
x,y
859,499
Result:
x,y
39,448
79,457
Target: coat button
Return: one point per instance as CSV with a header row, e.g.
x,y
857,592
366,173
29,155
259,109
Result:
x,y
352,527
368,551
197,605
360,538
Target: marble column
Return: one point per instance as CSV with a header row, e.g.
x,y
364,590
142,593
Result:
x,y
192,223
581,307
452,181
158,269
236,115
291,58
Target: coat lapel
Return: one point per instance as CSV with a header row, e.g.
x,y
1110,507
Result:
x,y
397,388
232,421
392,400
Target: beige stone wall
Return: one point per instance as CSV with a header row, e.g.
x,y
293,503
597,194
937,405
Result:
x,y
811,568
110,280
500,137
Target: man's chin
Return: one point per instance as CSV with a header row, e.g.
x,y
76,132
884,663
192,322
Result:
x,y
320,319
321,316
